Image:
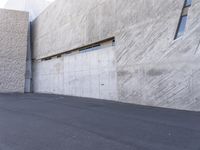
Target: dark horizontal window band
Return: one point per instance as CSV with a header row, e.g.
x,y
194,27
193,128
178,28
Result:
x,y
90,47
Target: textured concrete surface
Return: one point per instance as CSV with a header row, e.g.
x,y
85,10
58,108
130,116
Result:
x,y
152,68
50,122
161,71
13,48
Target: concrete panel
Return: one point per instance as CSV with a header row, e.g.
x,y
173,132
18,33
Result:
x,y
48,76
13,49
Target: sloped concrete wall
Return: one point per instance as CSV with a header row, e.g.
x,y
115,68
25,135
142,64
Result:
x,y
152,68
13,48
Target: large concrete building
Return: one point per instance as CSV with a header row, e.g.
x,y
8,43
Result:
x,y
143,52
13,50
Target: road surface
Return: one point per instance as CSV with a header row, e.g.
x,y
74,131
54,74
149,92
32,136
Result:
x,y
53,122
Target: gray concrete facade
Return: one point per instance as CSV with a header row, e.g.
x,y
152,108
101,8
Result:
x,y
145,65
13,49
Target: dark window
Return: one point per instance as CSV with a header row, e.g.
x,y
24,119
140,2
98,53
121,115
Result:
x,y
183,20
188,2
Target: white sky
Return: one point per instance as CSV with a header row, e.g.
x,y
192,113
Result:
x,y
34,7
2,3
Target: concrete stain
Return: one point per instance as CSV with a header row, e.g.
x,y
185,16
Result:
x,y
156,72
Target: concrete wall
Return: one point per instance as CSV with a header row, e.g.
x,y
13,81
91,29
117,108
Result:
x,y
152,68
13,47
87,74
160,71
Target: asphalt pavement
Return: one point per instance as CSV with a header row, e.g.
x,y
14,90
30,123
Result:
x,y
54,122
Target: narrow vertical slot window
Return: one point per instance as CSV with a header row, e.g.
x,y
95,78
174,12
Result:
x,y
183,19
182,26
